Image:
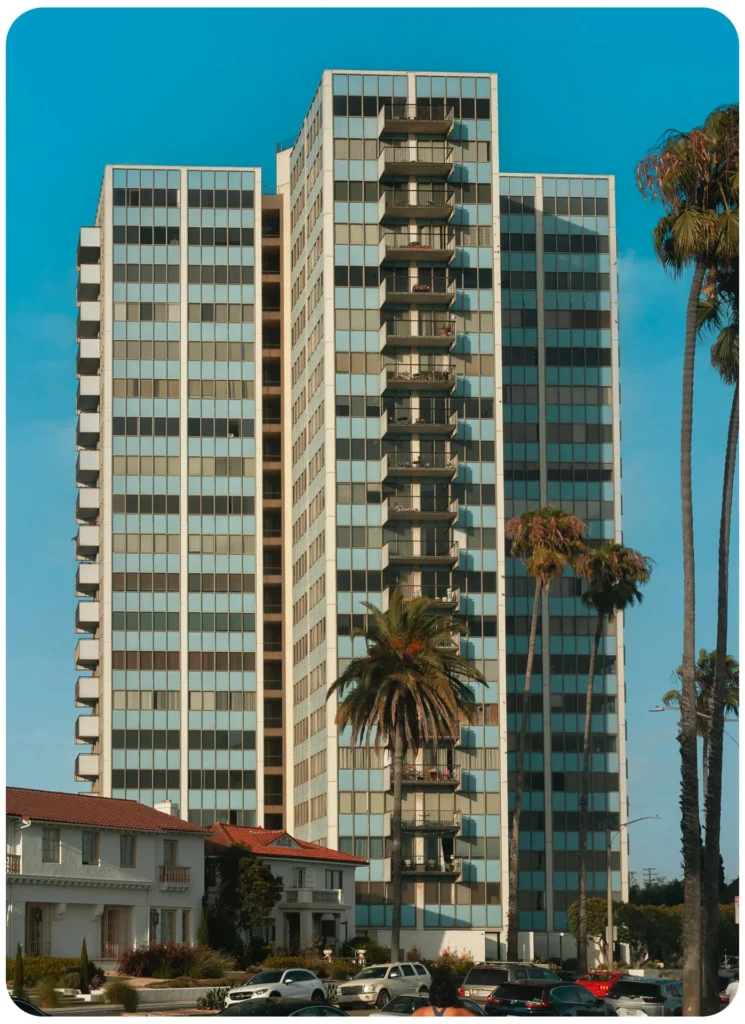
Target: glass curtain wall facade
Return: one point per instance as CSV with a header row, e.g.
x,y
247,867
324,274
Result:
x,y
169,545
437,349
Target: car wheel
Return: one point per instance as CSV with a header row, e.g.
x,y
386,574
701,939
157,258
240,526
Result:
x,y
424,991
275,995
318,996
383,999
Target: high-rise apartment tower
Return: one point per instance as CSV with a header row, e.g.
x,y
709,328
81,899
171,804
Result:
x,y
422,347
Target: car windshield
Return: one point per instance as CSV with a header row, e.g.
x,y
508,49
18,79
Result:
x,y
371,972
266,978
486,976
636,988
598,977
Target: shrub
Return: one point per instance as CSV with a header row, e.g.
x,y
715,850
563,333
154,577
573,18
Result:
x,y
120,993
414,955
374,952
18,973
177,983
46,995
449,962
280,962
174,960
37,967
213,1000
84,970
70,979
340,970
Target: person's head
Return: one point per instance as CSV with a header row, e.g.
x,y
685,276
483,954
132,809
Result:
x,y
443,993
736,976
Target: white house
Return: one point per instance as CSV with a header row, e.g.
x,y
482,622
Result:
x,y
113,872
318,898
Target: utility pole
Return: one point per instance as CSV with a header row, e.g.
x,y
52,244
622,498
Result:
x,y
650,876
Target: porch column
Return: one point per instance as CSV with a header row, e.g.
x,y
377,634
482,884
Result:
x,y
306,928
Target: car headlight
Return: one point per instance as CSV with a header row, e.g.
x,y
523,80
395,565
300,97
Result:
x,y
260,992
368,988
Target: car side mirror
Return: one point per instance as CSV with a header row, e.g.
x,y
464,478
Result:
x,y
288,981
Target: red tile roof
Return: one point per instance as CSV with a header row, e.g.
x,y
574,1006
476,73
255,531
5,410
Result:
x,y
82,809
261,840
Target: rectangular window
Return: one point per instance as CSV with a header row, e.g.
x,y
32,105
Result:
x,y
168,926
127,851
333,879
170,852
90,847
50,847
185,926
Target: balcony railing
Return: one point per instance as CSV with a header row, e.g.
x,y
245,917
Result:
x,y
437,414
273,761
273,723
408,549
423,198
418,153
430,866
423,110
420,373
312,896
423,460
272,645
435,820
430,774
425,239
175,874
433,592
13,863
400,284
402,503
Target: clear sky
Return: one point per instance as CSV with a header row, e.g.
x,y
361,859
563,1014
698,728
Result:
x,y
580,91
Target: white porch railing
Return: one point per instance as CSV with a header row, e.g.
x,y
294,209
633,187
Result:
x,y
312,896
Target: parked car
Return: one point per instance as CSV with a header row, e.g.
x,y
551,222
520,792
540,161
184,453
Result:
x,y
482,979
601,982
404,1006
378,984
647,997
27,1007
266,985
545,999
281,1008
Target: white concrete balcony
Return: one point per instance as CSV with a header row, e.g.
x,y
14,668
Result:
x,y
424,332
89,355
429,244
87,654
88,617
417,290
431,822
430,117
420,553
432,417
87,467
89,319
424,776
88,430
89,246
86,767
89,394
419,465
315,897
87,729
88,504
87,543
419,508
89,282
435,159
87,579
87,692
433,202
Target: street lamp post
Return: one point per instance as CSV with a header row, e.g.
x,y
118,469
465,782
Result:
x,y
561,948
610,833
700,714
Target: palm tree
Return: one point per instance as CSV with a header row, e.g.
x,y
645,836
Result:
x,y
706,674
694,175
407,691
546,540
613,575
720,311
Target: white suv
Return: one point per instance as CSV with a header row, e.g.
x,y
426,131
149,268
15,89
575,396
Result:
x,y
266,985
378,984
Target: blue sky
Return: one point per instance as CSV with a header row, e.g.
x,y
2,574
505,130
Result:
x,y
580,91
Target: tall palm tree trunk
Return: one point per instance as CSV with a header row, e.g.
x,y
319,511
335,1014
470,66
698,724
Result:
x,y
713,796
398,774
513,903
583,801
690,822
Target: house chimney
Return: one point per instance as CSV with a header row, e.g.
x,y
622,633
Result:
x,y
168,807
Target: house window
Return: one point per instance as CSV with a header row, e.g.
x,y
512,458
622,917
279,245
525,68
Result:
x,y
50,845
168,926
333,880
90,847
170,852
302,878
127,851
185,926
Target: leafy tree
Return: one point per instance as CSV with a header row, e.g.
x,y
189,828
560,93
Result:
x,y
613,575
85,985
695,176
18,974
407,691
660,893
652,932
546,540
203,938
596,922
246,893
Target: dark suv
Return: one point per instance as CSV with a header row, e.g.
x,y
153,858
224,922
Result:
x,y
545,999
